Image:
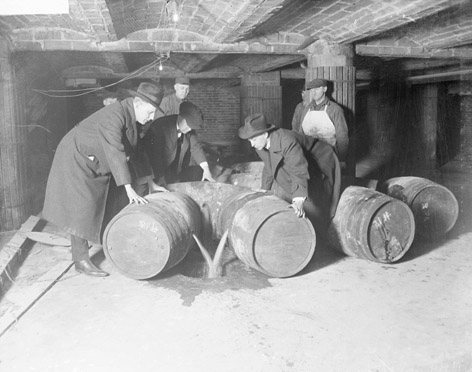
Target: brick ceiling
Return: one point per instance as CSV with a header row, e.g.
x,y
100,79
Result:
x,y
226,38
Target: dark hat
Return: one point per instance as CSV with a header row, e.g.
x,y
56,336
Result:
x,y
149,92
191,114
182,80
316,83
254,125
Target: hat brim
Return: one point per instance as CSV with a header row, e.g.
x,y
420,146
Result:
x,y
246,133
134,93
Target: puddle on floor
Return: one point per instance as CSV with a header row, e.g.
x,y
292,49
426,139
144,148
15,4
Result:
x,y
190,280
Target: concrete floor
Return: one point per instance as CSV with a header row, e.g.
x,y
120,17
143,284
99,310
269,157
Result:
x,y
339,314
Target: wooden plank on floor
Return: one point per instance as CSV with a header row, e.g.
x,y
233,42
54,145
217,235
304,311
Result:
x,y
12,250
29,295
25,293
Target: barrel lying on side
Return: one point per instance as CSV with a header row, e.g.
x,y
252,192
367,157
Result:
x,y
247,174
434,206
263,231
371,225
144,240
267,236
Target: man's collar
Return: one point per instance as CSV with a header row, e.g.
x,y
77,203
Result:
x,y
315,106
267,146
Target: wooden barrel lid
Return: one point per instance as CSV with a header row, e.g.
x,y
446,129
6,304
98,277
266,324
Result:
x,y
391,231
436,211
137,244
284,244
268,236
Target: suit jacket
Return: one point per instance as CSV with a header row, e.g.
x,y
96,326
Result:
x,y
297,163
160,143
86,157
324,165
285,163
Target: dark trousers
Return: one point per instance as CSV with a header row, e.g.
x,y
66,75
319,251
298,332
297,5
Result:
x,y
79,248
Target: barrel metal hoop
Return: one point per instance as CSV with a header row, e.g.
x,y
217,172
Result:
x,y
412,230
262,222
369,251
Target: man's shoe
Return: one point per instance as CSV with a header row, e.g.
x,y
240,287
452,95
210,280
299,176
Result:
x,y
88,268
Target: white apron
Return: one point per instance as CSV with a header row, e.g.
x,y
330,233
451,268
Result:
x,y
317,124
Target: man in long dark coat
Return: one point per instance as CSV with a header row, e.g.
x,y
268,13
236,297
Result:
x,y
94,150
299,169
171,142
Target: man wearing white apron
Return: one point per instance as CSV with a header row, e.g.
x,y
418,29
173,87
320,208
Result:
x,y
323,119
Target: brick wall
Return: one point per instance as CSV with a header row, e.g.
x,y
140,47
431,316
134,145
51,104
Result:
x,y
465,154
45,123
219,99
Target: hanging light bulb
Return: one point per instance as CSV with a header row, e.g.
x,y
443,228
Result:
x,y
160,66
172,10
175,17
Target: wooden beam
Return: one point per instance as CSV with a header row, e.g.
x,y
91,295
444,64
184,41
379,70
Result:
x,y
277,62
392,50
464,74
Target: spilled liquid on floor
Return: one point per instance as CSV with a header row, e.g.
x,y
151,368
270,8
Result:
x,y
189,277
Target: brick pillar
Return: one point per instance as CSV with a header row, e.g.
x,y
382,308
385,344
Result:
x,y
13,208
465,150
334,62
426,133
262,93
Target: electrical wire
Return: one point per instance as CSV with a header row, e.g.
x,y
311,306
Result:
x,y
91,90
85,91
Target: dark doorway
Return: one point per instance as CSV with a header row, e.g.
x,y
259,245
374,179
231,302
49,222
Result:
x,y
291,96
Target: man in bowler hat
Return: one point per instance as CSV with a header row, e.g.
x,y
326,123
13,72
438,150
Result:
x,y
95,150
171,143
299,169
322,118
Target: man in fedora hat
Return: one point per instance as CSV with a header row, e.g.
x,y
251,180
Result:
x,y
322,118
171,142
299,169
170,104
95,150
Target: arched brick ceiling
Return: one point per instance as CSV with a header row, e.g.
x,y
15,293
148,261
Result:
x,y
249,35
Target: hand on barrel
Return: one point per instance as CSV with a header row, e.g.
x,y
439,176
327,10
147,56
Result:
x,y
206,172
133,197
297,205
154,187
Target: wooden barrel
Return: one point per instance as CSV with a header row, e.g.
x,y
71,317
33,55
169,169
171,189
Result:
x,y
251,167
267,236
248,174
263,231
371,225
221,200
230,205
144,240
434,206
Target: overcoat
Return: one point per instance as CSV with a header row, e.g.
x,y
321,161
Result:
x,y
85,159
160,143
285,164
302,166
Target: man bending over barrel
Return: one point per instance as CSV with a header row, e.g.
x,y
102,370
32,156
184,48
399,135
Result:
x,y
299,169
171,142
